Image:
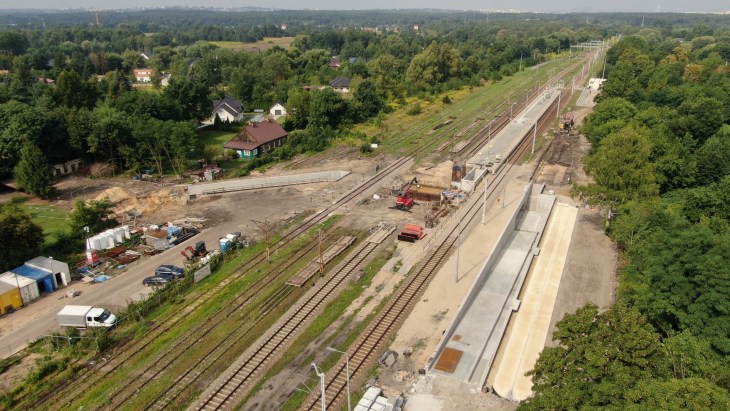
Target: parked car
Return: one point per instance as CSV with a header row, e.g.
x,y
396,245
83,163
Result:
x,y
156,280
170,270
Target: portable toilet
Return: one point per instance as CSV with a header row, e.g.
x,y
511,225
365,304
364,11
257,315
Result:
x,y
119,235
225,245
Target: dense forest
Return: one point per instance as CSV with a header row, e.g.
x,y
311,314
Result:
x,y
661,164
68,89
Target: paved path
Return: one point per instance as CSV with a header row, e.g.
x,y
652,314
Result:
x,y
532,321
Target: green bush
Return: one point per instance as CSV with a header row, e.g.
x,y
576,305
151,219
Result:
x,y
415,109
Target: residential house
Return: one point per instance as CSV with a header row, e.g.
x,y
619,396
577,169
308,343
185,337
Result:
x,y
144,75
335,62
341,84
277,110
257,139
229,109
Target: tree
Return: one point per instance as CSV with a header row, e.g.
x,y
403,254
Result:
x,y
599,358
436,64
13,42
610,116
621,168
22,237
713,158
191,96
33,174
369,99
326,108
679,278
676,395
95,214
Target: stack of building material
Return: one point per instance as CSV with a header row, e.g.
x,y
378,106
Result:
x,y
411,233
373,401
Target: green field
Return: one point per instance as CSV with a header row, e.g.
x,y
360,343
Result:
x,y
263,45
216,138
52,219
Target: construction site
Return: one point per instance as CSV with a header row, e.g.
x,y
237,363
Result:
x,y
458,268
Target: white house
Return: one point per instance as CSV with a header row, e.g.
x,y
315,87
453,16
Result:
x,y
229,109
277,111
144,75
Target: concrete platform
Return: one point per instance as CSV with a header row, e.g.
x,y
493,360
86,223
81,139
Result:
x,y
532,321
253,183
478,328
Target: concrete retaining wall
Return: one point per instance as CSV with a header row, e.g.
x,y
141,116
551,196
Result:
x,y
253,183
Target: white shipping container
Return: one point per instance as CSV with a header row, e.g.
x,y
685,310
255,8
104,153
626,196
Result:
x,y
28,288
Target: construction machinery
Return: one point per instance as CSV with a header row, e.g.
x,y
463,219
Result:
x,y
566,124
192,254
405,201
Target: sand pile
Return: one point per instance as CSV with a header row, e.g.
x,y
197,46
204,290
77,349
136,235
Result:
x,y
114,194
146,204
437,176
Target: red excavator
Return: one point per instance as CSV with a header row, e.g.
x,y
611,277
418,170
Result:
x,y
405,201
195,253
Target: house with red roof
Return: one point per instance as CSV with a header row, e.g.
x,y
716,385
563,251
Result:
x,y
257,139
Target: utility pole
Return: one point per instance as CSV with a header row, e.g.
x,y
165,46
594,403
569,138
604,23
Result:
x,y
458,244
347,370
321,385
265,226
321,257
534,137
484,203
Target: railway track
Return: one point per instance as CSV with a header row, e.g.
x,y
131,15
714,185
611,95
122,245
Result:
x,y
68,393
241,307
363,353
114,363
244,374
121,357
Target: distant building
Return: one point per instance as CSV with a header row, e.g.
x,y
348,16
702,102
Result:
x,y
228,109
256,139
144,75
69,167
341,84
277,110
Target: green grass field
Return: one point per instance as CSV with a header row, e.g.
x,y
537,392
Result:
x,y
263,45
52,219
216,138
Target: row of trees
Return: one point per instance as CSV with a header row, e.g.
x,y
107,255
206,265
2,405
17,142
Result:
x,y
661,165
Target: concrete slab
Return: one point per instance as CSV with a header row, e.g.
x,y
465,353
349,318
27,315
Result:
x,y
487,309
532,321
253,183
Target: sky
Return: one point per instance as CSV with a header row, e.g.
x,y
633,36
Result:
x,y
516,5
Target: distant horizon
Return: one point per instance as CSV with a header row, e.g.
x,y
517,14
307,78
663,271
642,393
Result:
x,y
494,6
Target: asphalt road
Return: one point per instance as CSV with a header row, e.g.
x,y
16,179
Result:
x,y
39,318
